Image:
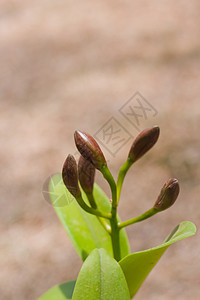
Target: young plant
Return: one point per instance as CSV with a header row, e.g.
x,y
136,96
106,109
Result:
x,y
109,270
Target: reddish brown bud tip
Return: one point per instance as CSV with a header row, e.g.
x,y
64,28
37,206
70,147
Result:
x,y
89,149
86,173
168,195
143,143
70,175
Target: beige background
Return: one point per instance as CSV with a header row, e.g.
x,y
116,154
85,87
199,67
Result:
x,y
67,65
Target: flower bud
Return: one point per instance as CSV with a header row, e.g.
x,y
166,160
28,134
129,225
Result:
x,y
70,176
168,195
86,173
89,149
143,143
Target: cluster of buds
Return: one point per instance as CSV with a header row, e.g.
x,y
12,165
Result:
x,y
93,158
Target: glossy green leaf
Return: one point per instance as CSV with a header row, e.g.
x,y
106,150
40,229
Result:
x,y
101,278
84,229
137,266
60,292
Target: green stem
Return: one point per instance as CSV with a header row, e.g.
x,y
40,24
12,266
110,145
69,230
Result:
x,y
115,235
122,173
113,222
91,200
108,176
91,210
149,213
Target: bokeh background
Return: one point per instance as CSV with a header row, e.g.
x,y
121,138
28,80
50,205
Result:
x,y
67,65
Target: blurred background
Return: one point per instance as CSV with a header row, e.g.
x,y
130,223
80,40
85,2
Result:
x,y
67,65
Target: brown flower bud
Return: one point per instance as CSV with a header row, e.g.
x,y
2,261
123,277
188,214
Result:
x,y
143,143
89,149
168,195
70,176
86,173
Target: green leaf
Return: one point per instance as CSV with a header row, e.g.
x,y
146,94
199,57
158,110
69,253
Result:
x,y
137,266
101,278
60,292
84,229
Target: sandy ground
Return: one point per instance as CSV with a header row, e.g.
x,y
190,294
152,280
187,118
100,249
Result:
x,y
68,65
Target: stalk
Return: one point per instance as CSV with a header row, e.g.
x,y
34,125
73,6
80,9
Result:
x,y
122,173
113,221
149,213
